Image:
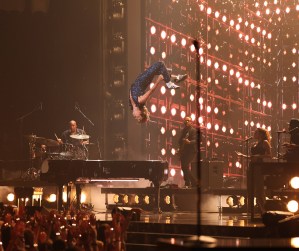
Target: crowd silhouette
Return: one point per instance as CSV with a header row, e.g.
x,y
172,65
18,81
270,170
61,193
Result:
x,y
63,230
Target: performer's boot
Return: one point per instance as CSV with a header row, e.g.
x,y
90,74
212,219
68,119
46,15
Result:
x,y
171,85
178,78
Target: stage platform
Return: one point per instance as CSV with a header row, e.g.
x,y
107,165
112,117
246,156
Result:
x,y
173,225
168,230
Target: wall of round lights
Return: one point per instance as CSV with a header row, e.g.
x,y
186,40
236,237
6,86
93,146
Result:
x,y
248,55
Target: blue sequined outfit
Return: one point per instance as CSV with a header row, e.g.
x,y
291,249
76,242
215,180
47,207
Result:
x,y
142,82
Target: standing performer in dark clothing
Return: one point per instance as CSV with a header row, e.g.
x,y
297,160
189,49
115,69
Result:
x,y
262,148
260,151
292,153
138,94
187,151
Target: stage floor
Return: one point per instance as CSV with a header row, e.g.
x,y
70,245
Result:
x,y
193,218
229,230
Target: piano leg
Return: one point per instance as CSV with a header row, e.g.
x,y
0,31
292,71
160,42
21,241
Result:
x,y
159,197
59,200
68,194
250,190
78,195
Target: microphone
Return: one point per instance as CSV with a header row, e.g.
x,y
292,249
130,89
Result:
x,y
283,131
294,129
196,44
248,138
152,121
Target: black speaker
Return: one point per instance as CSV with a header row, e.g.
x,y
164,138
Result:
x,y
128,212
211,173
272,218
23,192
289,227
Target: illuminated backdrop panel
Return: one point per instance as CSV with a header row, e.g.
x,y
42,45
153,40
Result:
x,y
249,73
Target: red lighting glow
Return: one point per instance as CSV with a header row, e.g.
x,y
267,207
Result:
x,y
163,109
153,108
246,61
163,34
153,30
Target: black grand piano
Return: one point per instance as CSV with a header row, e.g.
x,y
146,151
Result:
x,y
62,172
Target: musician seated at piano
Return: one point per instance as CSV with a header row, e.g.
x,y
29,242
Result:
x,y
73,136
292,152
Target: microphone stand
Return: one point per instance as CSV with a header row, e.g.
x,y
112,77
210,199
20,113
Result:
x,y
197,59
99,148
199,241
247,153
98,143
21,119
30,171
247,171
28,114
278,145
78,109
